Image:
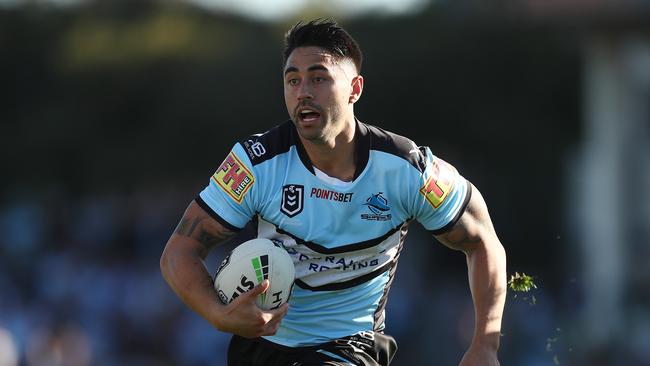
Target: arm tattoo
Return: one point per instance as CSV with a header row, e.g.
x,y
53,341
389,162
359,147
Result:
x,y
195,228
209,239
186,228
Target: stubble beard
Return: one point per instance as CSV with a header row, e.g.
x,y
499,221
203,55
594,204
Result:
x,y
330,126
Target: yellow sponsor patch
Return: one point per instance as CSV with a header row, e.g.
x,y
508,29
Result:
x,y
233,177
439,184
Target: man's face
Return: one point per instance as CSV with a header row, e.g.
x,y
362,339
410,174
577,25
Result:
x,y
319,91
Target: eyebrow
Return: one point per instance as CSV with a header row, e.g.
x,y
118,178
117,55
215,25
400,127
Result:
x,y
316,67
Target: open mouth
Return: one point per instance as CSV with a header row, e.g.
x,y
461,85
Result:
x,y
308,115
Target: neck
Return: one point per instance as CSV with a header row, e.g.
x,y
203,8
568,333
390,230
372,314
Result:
x,y
335,157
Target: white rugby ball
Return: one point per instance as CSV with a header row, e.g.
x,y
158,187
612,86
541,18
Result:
x,y
250,263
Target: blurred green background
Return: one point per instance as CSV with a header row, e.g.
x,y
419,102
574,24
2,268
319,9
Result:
x,y
114,114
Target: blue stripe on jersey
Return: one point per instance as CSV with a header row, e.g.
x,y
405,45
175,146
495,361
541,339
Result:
x,y
341,248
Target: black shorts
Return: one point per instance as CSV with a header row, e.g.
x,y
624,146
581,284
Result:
x,y
362,349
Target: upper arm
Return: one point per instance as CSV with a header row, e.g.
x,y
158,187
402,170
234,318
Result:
x,y
473,227
199,231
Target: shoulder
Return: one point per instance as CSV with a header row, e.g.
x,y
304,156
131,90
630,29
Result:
x,y
394,144
264,146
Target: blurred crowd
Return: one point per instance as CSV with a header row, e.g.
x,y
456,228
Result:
x,y
80,285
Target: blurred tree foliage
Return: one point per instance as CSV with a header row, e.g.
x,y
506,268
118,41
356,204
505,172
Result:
x,y
114,96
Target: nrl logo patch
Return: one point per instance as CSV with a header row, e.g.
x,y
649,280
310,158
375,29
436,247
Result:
x,y
292,199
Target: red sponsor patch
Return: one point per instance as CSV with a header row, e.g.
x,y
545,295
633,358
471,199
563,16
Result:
x,y
234,178
440,183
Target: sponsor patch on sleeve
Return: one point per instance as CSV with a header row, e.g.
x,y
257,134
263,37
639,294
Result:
x,y
254,149
234,178
440,183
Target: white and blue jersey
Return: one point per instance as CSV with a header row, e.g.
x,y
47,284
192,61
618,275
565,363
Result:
x,y
345,239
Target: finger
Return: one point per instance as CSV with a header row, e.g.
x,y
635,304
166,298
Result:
x,y
274,323
281,311
251,295
272,329
262,287
276,316
273,326
255,291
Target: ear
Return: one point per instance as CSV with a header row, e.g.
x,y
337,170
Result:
x,y
357,88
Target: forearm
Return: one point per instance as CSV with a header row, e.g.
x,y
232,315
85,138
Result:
x,y
182,262
486,265
185,272
183,267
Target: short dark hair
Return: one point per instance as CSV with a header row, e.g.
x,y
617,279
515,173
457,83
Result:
x,y
326,34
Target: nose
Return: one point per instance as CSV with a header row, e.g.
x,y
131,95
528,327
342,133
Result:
x,y
304,91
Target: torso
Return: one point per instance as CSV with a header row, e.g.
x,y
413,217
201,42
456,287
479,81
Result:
x,y
344,239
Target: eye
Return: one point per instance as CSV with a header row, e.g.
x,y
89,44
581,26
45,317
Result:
x,y
319,79
292,82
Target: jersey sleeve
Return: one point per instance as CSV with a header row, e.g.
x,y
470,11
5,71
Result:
x,y
229,196
443,195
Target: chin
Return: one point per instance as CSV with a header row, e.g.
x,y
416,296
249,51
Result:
x,y
309,133
312,136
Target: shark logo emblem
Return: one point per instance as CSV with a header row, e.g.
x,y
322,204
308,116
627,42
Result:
x,y
292,199
378,205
